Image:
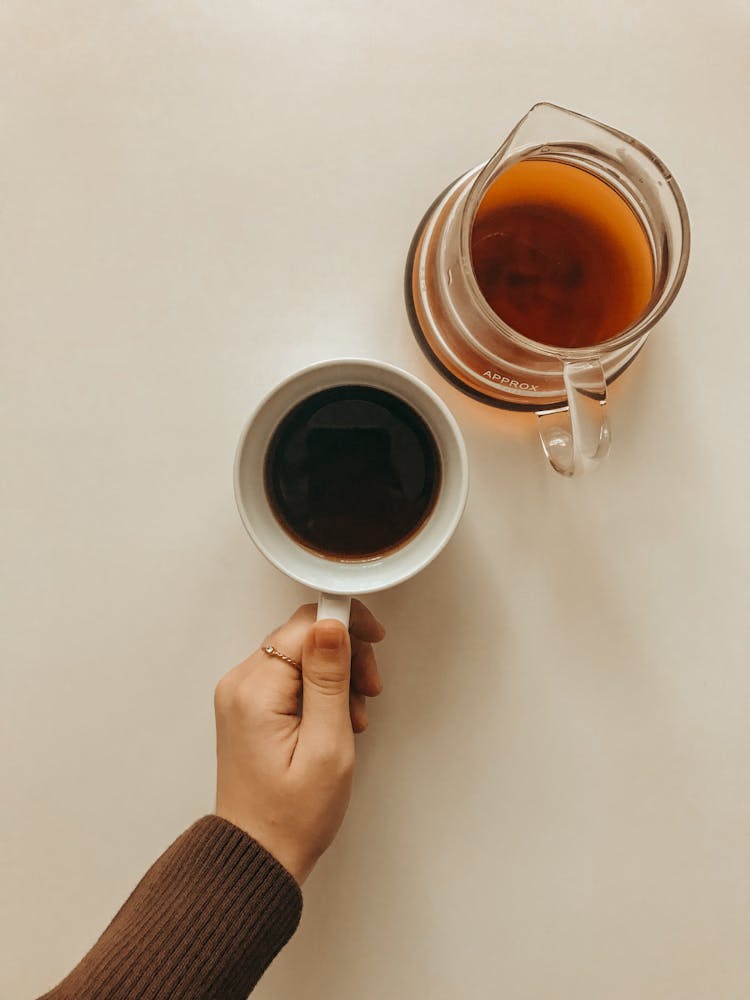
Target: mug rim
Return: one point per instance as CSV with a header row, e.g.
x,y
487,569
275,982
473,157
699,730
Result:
x,y
460,489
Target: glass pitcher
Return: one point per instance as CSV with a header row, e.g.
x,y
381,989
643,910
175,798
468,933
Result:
x,y
472,346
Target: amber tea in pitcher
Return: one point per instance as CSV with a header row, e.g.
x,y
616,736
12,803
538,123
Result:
x,y
560,255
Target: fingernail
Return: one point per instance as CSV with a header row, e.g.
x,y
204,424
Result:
x,y
328,636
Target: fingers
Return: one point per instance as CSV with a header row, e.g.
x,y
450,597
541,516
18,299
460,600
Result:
x,y
365,676
326,654
358,711
277,683
363,624
289,637
365,683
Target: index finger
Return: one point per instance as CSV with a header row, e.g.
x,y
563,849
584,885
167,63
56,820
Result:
x,y
363,624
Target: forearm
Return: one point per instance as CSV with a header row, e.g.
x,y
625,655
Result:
x,y
203,924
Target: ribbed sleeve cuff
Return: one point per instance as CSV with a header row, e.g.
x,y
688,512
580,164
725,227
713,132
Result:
x,y
203,924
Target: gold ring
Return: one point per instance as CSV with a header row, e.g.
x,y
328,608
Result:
x,y
272,651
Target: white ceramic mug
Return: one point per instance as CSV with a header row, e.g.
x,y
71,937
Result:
x,y
336,579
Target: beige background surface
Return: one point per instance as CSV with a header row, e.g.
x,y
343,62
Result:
x,y
197,198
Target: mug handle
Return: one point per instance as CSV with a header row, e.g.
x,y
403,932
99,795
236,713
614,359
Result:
x,y
334,606
575,435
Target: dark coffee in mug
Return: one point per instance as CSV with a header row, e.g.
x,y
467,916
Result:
x,y
352,472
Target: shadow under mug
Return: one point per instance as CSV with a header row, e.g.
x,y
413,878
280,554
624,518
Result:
x,y
485,357
338,579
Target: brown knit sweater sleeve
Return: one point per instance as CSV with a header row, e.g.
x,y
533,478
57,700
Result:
x,y
202,924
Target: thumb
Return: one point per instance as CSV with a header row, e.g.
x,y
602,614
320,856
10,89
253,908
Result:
x,y
326,666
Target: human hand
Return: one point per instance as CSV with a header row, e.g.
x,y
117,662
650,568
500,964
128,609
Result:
x,y
285,737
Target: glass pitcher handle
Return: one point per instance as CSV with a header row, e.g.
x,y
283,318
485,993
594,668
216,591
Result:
x,y
575,436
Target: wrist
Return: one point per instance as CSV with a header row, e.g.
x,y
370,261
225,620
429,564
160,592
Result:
x,y
298,863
